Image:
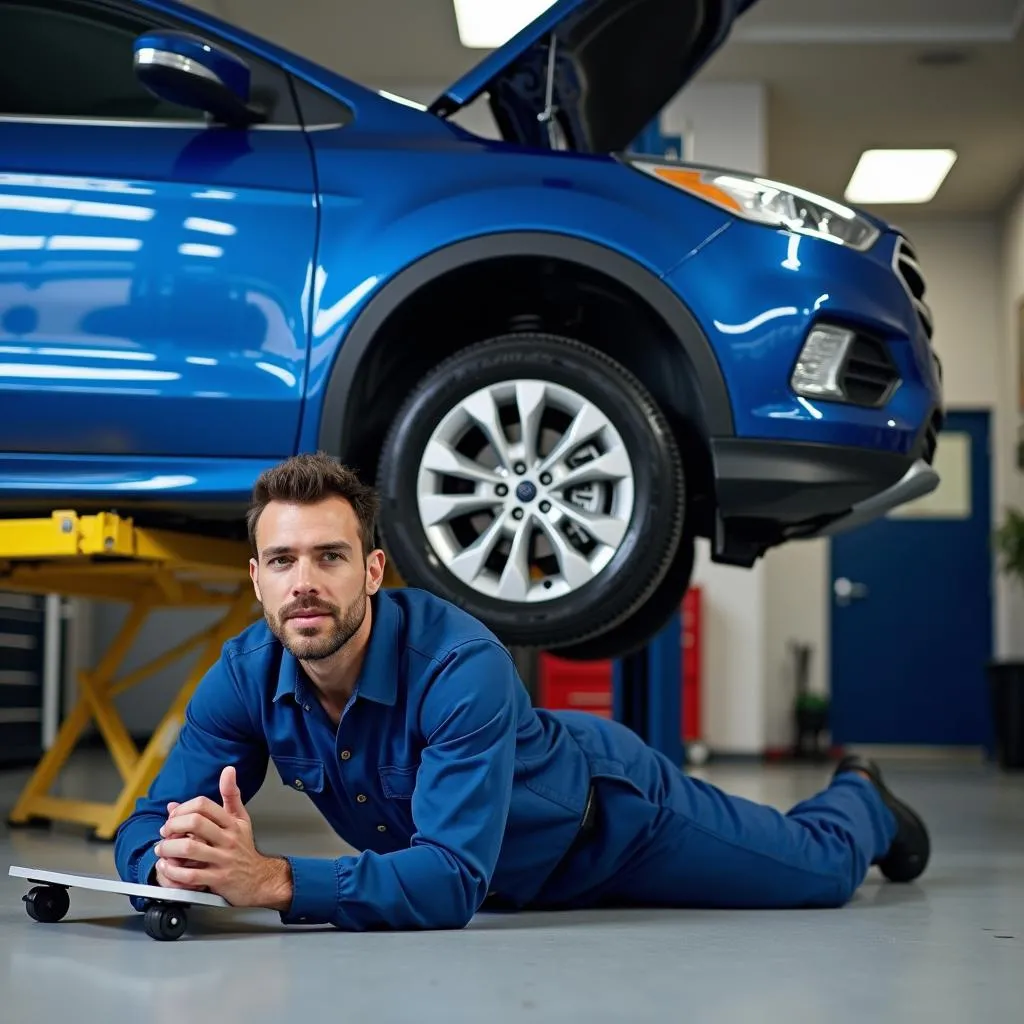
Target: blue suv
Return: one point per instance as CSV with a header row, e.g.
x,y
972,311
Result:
x,y
561,361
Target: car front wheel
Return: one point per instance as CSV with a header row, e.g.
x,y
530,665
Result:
x,y
533,481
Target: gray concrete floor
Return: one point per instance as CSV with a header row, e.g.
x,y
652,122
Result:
x,y
950,949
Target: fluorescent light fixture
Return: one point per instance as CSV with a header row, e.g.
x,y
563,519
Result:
x,y
488,24
899,175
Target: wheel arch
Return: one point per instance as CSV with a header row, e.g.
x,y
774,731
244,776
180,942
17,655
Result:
x,y
338,411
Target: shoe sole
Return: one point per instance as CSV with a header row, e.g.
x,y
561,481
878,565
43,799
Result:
x,y
912,816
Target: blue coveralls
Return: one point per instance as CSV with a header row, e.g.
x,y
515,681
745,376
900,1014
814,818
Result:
x,y
461,796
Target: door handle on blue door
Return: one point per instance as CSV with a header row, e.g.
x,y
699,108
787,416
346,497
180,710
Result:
x,y
847,591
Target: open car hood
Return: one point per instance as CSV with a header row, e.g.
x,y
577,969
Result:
x,y
610,67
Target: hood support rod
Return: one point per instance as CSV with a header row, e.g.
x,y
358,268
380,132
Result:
x,y
547,115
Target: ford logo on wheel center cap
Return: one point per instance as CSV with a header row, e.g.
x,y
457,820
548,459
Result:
x,y
526,491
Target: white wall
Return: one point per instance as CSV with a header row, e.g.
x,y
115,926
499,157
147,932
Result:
x,y
1009,480
961,261
725,124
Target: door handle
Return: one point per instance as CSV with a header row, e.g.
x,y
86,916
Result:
x,y
847,591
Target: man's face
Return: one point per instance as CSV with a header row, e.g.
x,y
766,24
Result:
x,y
311,577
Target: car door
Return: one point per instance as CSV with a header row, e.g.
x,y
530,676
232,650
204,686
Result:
x,y
154,268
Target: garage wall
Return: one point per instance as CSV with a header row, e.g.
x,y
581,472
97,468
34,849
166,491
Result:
x,y
1009,480
725,124
962,262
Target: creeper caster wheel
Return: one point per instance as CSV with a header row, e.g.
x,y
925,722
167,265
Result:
x,y
47,903
166,921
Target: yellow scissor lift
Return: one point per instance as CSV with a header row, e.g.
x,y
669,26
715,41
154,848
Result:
x,y
107,557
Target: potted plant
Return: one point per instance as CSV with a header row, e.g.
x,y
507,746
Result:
x,y
1006,678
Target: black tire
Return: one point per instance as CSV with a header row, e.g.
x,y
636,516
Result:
x,y
648,546
632,635
47,903
165,922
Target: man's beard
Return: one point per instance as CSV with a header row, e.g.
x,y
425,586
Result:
x,y
311,643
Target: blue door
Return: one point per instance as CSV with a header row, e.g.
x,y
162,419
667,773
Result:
x,y
155,271
912,608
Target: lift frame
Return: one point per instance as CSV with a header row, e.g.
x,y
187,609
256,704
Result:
x,y
107,557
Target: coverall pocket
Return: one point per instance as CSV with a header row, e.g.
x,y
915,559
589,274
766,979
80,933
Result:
x,y
398,781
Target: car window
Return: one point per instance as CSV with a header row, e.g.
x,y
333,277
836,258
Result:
x,y
73,59
61,60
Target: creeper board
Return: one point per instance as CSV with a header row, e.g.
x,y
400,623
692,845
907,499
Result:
x,y
166,916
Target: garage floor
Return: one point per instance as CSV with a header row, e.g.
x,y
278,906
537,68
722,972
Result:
x,y
950,949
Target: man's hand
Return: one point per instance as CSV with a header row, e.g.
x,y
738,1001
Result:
x,y
161,878
209,846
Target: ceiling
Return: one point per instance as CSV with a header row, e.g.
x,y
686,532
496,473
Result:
x,y
842,76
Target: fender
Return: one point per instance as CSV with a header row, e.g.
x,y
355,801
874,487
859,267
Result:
x,y
651,289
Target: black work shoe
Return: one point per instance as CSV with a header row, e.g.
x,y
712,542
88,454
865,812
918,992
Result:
x,y
908,855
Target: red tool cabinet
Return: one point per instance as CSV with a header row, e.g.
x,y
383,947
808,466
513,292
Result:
x,y
587,685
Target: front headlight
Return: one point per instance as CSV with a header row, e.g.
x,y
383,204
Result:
x,y
769,202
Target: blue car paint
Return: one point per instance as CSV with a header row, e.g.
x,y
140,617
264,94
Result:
x,y
297,232
385,221
116,478
166,305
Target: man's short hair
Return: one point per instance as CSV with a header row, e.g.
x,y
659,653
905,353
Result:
x,y
307,479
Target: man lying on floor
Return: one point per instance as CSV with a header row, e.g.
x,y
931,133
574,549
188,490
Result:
x,y
404,720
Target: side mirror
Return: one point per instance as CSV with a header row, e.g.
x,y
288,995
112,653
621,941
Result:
x,y
188,71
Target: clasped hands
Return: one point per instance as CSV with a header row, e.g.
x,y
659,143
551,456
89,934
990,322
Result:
x,y
206,846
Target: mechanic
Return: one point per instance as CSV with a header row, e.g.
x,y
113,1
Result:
x,y
406,723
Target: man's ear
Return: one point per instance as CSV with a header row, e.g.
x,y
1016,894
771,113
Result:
x,y
374,571
254,575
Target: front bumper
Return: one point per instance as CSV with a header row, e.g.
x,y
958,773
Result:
x,y
920,479
769,492
793,483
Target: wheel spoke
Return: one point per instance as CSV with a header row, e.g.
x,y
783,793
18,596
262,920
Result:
x,y
610,467
605,529
574,568
439,458
484,411
468,564
587,422
514,584
551,500
440,508
530,397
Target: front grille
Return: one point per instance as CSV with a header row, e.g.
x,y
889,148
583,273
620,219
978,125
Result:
x,y
908,270
931,438
868,376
